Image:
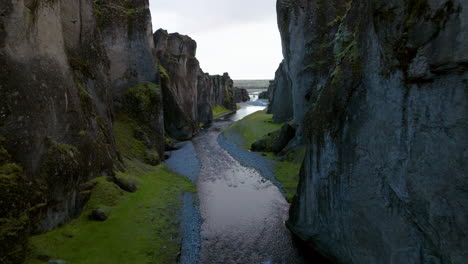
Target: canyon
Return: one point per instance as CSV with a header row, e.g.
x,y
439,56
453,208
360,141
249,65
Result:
x,y
379,90
376,92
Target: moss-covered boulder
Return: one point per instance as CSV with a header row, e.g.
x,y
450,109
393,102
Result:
x,y
100,213
152,157
126,182
275,141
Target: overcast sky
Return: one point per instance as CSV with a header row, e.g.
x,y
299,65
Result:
x,y
236,36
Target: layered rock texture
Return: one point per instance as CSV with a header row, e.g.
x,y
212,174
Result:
x,y
62,64
382,90
189,94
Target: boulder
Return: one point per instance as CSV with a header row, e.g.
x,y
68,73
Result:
x,y
101,213
275,141
241,95
263,95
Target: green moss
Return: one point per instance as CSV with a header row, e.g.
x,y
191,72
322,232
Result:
x,y
124,131
17,198
61,164
105,192
141,102
218,110
141,229
254,127
82,66
287,172
164,73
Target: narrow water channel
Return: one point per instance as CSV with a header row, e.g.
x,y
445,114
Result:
x,y
243,214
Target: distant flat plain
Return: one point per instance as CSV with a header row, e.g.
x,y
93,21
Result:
x,y
252,85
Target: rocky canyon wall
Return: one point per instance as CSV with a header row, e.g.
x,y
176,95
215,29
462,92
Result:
x,y
62,64
189,94
281,96
382,89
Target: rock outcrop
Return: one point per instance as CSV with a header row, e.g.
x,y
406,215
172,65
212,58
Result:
x,y
382,89
281,96
62,64
189,94
241,95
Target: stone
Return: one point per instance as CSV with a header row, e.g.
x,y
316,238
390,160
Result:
x,y
152,157
280,94
101,213
264,95
126,183
259,145
241,95
57,261
380,91
275,141
189,93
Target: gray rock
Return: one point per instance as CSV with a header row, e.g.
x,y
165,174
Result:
x,y
385,111
275,141
101,213
57,261
189,93
280,95
265,94
241,95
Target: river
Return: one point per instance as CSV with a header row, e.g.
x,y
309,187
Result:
x,y
242,213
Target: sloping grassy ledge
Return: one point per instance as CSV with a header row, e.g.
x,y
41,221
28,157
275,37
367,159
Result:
x,y
219,110
143,227
252,128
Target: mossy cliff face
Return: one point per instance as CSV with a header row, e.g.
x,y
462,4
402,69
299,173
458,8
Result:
x,y
55,90
58,62
17,193
281,96
127,36
189,94
381,87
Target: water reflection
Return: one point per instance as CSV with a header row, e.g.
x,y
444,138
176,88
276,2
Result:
x,y
250,107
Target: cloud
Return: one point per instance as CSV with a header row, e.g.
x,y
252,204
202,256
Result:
x,y
195,16
235,36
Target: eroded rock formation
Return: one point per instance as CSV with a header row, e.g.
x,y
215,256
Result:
x,y
189,93
241,95
62,64
281,96
382,87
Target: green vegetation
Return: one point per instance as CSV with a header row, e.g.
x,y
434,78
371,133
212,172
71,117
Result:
x,y
128,145
163,72
141,204
142,102
253,128
17,197
142,227
218,110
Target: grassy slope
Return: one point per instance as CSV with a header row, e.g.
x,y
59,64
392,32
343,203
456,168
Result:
x,y
253,128
218,110
142,227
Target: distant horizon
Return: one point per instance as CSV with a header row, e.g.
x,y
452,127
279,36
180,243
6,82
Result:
x,y
230,38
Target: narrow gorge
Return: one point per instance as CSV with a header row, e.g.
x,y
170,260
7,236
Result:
x,y
116,147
